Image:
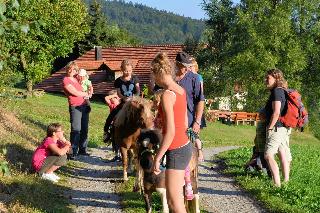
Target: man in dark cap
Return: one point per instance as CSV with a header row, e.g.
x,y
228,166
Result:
x,y
195,98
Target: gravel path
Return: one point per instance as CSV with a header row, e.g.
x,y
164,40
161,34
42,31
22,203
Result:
x,y
93,184
219,193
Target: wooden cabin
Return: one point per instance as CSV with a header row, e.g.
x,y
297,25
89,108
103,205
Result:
x,y
103,66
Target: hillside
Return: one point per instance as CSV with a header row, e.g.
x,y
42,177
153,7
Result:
x,y
149,25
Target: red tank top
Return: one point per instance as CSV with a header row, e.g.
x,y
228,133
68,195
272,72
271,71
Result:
x,y
179,111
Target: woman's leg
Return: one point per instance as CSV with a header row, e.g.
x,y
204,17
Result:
x,y
52,163
284,164
174,186
274,169
52,169
83,141
75,120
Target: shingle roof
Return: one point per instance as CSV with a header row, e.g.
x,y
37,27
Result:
x,y
140,57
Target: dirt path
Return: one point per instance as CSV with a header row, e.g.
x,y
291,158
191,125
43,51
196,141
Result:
x,y
93,185
219,193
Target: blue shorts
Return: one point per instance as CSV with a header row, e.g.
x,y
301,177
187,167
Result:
x,y
179,158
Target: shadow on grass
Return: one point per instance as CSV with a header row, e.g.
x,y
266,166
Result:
x,y
37,123
35,193
19,157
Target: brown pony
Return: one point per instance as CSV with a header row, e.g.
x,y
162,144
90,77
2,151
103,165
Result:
x,y
135,115
149,143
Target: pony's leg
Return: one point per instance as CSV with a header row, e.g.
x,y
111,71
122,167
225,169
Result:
x,y
138,180
138,184
131,161
124,154
163,195
147,200
196,203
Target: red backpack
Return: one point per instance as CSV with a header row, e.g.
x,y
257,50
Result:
x,y
296,115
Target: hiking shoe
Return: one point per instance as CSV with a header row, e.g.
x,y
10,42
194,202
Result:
x,y
189,192
50,177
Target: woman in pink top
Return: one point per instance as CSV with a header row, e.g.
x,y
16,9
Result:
x,y
79,111
175,144
51,153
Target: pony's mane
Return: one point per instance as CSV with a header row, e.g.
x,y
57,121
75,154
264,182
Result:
x,y
128,115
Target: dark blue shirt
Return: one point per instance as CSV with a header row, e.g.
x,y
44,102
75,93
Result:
x,y
190,82
127,88
277,94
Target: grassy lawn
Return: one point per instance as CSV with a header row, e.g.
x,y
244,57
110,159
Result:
x,y
23,125
301,194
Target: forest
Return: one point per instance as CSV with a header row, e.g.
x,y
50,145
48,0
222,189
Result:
x,y
149,25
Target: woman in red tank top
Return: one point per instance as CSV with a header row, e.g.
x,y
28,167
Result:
x,y
175,144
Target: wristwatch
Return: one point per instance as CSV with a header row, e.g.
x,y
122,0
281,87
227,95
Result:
x,y
197,122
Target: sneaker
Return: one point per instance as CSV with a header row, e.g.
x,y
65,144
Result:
x,y
56,176
189,192
49,177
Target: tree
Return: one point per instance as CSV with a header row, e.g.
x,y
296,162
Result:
x,y
53,28
259,36
102,33
213,58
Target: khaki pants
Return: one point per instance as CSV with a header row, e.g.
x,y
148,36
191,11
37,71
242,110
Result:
x,y
278,138
53,160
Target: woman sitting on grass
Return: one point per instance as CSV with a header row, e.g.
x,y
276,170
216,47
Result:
x,y
51,153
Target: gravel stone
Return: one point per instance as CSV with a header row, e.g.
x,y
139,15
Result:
x,y
93,184
219,193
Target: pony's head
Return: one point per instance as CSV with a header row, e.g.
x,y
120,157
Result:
x,y
148,143
135,113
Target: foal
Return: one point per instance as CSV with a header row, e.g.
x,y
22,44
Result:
x,y
135,115
148,144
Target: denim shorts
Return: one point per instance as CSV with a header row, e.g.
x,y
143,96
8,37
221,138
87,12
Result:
x,y
179,158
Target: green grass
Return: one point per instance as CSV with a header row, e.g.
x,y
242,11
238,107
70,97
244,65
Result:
x,y
218,134
38,112
133,202
300,194
22,128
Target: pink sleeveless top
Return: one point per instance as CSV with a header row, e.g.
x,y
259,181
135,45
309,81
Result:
x,y
179,110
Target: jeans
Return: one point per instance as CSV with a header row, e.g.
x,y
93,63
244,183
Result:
x,y
79,119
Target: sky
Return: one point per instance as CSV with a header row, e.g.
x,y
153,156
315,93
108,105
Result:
x,y
188,8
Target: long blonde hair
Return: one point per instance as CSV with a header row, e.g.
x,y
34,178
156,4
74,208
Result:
x,y
161,65
278,75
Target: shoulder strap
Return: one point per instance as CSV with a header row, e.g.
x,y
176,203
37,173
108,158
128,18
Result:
x,y
171,92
